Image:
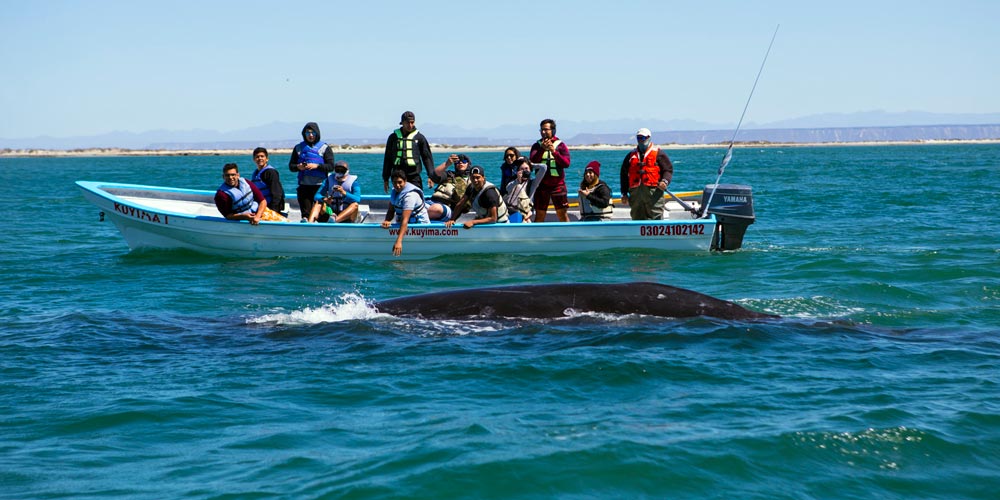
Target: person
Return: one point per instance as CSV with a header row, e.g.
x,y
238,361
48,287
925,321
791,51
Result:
x,y
268,181
645,175
508,170
338,198
238,199
518,199
485,200
313,160
594,195
459,178
554,154
407,206
407,149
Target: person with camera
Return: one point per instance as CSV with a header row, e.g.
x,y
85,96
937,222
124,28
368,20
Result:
x,y
338,198
594,195
485,200
554,154
312,159
458,177
518,195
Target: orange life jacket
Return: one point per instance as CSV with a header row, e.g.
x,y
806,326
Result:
x,y
643,172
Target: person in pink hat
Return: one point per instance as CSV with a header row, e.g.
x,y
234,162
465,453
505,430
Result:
x,y
595,195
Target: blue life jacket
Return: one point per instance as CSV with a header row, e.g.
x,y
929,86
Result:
x,y
338,204
397,202
261,185
241,196
311,154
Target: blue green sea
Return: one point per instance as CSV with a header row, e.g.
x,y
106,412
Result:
x,y
177,375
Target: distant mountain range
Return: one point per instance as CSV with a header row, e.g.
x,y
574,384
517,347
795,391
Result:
x,y
830,127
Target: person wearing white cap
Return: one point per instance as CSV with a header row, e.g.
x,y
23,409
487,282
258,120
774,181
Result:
x,y
645,175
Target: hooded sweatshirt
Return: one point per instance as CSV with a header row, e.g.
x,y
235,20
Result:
x,y
316,152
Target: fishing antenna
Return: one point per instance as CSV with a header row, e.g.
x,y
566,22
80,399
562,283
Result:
x,y
729,150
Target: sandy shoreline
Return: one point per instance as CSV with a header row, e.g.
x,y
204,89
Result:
x,y
101,152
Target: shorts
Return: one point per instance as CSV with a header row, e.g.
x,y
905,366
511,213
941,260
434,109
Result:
x,y
556,194
447,211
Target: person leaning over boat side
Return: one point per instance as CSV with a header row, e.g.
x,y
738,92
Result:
x,y
338,198
407,206
554,154
594,195
645,175
238,199
313,160
485,200
508,170
517,199
268,181
407,149
460,177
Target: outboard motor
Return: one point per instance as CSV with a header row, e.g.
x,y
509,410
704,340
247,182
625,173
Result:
x,y
732,205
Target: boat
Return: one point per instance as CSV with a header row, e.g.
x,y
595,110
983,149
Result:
x,y
155,217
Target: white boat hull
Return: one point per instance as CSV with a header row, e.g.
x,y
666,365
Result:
x,y
150,217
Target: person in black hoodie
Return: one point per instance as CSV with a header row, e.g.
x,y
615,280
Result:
x,y
313,160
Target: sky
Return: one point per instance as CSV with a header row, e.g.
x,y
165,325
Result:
x,y
90,67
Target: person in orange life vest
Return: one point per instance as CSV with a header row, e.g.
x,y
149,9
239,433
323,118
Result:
x,y
645,175
238,199
554,154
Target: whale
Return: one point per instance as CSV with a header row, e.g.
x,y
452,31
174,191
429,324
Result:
x,y
564,299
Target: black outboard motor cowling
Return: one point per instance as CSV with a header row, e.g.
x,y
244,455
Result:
x,y
732,205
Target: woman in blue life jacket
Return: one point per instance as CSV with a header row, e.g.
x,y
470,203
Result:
x,y
407,206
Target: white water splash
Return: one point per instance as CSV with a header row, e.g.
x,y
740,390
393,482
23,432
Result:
x,y
349,306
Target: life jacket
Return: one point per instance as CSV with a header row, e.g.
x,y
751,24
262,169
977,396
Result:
x,y
588,210
549,159
311,154
261,185
517,197
406,151
419,214
643,172
241,196
482,212
338,204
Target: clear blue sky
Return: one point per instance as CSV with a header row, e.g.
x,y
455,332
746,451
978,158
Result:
x,y
89,67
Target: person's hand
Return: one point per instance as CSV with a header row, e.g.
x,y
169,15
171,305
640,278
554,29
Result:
x,y
662,185
449,223
301,166
341,189
397,249
625,200
469,224
255,220
385,224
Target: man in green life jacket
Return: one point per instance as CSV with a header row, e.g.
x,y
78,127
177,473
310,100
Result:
x,y
407,150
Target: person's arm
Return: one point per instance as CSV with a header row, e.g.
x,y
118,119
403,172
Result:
x,y
388,160
273,181
323,191
293,161
666,169
460,208
623,177
535,155
223,203
355,195
397,247
561,154
437,175
426,157
600,197
327,165
491,198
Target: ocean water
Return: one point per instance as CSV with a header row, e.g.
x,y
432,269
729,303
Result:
x,y
177,375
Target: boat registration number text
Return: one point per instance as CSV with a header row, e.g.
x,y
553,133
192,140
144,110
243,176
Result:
x,y
672,230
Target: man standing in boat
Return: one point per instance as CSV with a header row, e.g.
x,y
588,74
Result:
x,y
554,154
645,175
313,160
407,149
268,181
238,199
